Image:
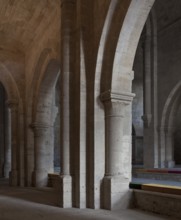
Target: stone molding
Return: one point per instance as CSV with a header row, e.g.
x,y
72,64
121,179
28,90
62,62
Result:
x,y
36,125
12,103
67,2
147,120
124,97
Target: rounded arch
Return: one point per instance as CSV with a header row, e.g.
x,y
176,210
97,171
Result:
x,y
43,121
124,34
46,56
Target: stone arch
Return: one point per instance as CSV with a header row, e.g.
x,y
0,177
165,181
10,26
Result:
x,y
43,121
125,25
167,127
124,33
14,109
45,56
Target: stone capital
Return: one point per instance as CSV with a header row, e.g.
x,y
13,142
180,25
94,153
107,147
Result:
x,y
122,97
169,130
37,126
147,120
12,103
66,2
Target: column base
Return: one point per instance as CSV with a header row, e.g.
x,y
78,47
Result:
x,y
40,178
7,169
13,178
117,194
170,164
65,191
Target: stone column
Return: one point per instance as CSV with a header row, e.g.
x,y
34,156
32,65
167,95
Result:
x,y
161,134
169,157
2,144
116,182
52,132
7,160
13,107
43,157
67,22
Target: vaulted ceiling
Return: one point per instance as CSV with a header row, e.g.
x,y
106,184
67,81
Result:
x,y
24,22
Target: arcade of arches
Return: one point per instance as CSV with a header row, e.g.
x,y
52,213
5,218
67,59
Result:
x,y
88,90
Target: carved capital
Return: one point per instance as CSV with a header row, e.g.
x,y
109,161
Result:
x,y
115,103
12,103
36,125
40,130
147,120
169,130
67,2
123,97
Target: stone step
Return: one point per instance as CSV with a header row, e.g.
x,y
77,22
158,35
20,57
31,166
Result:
x,y
158,202
158,198
158,174
161,188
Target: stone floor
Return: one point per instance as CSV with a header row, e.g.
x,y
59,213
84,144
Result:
x,y
35,204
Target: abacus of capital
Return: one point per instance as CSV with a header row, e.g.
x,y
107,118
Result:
x,y
116,184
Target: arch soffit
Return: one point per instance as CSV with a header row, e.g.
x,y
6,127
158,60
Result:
x,y
45,85
124,34
45,57
102,44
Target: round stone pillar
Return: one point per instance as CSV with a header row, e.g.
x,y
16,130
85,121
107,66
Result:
x,y
13,108
7,159
116,183
43,154
169,155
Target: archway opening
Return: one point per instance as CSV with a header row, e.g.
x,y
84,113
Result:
x,y
5,137
57,129
137,108
46,125
177,138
